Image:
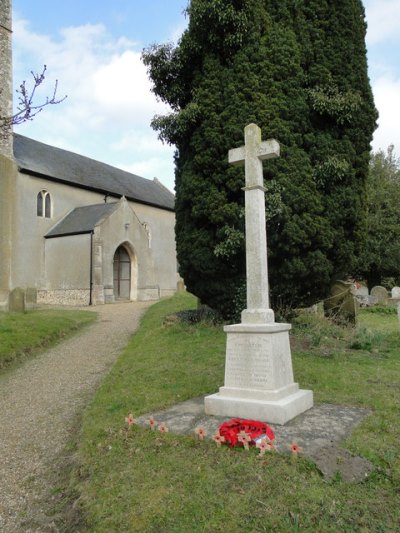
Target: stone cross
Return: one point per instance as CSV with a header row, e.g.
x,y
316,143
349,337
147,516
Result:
x,y
252,154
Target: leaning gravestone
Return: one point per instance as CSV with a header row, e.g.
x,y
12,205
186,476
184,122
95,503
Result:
x,y
381,294
258,368
17,300
342,303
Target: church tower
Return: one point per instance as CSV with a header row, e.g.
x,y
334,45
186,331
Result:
x,y
5,74
8,168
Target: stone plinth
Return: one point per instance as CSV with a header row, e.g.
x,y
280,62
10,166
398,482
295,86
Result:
x,y
259,376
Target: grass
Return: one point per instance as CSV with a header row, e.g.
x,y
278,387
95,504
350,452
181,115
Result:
x,y
139,480
23,335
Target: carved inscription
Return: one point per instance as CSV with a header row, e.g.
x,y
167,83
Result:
x,y
249,362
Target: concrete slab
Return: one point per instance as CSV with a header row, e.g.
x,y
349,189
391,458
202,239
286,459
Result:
x,y
318,432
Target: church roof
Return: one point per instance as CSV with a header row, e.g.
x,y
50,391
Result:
x,y
59,165
81,220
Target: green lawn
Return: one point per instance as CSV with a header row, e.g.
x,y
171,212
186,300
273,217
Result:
x,y
138,480
25,334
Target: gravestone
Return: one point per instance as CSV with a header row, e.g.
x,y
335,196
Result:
x,y
30,298
396,292
362,294
341,302
361,291
381,294
258,368
17,300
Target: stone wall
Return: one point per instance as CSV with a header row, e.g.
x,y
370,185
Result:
x,y
74,297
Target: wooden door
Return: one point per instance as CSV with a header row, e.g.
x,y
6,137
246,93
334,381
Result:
x,y
122,274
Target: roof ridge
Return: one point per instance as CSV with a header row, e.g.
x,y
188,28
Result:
x,y
57,164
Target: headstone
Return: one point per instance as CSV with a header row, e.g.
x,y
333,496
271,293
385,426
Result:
x,y
396,292
30,298
381,294
258,368
17,300
361,291
342,303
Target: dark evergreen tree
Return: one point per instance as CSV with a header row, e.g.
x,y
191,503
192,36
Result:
x,y
298,70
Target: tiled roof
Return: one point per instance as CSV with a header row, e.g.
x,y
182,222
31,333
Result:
x,y
55,164
81,220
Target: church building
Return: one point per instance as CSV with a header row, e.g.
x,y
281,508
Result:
x,y
73,230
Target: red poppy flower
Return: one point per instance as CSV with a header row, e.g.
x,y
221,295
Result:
x,y
295,448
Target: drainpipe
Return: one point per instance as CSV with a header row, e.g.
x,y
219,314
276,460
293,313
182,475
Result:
x,y
91,269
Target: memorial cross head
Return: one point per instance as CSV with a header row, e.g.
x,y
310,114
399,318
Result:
x,y
252,154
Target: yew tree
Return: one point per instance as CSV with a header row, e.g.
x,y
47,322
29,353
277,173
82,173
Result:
x,y
298,69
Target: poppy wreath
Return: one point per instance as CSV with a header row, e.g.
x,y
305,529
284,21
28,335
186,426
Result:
x,y
229,430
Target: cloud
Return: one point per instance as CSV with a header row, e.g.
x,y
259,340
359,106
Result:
x,y
110,103
104,78
154,167
151,157
386,93
383,20
121,87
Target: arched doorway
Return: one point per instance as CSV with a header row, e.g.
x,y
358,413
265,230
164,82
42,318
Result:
x,y
122,274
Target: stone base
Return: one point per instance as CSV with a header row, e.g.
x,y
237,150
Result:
x,y
259,380
146,294
272,411
72,297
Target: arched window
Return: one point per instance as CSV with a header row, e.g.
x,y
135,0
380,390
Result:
x,y
39,210
43,204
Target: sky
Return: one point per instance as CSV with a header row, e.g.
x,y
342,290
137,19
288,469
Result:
x,y
93,49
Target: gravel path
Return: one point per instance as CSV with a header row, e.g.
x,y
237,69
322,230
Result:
x,y
39,404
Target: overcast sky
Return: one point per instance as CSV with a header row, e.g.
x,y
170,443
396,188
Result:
x,y
93,48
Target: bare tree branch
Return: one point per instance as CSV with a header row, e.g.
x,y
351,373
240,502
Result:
x,y
27,108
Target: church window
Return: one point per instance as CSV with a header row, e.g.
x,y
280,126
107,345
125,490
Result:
x,y
43,204
47,206
40,205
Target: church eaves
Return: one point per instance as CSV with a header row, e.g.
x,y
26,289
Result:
x,y
45,161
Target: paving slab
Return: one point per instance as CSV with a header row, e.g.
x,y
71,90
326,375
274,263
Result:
x,y
319,433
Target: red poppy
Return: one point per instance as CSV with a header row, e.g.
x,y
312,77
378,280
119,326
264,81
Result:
x,y
295,448
218,439
255,429
200,432
130,420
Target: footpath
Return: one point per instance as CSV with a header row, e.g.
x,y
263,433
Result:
x,y
40,403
